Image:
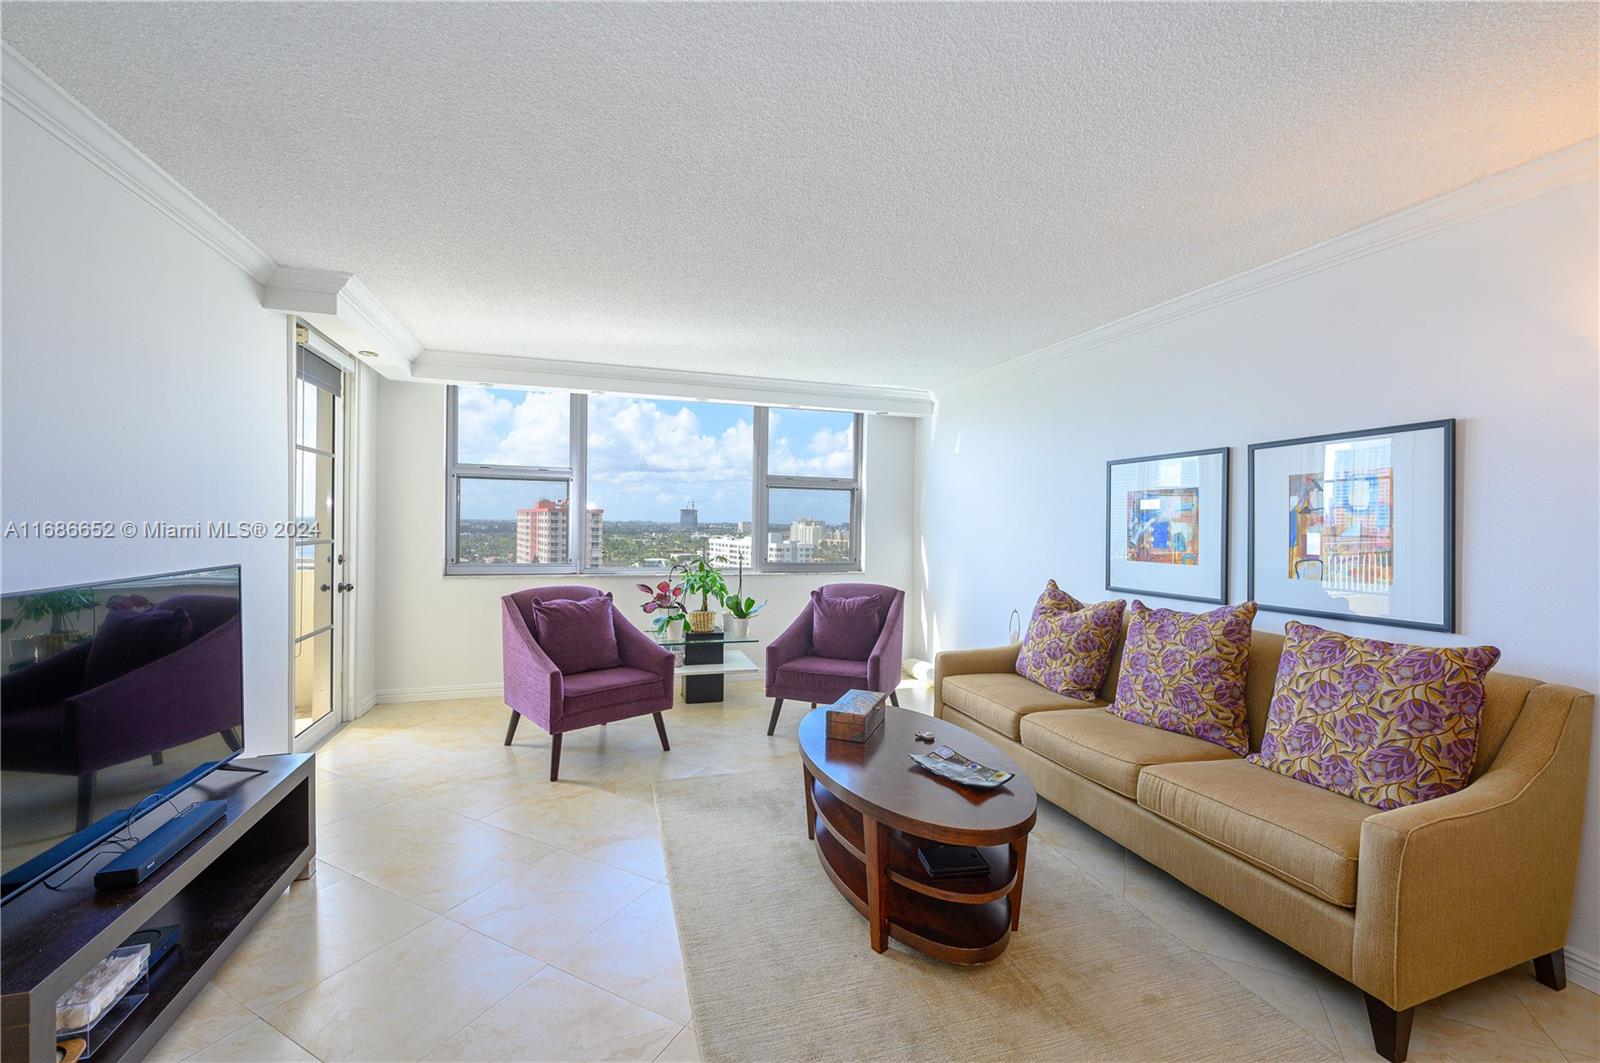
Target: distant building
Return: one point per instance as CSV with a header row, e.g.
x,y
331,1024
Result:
x,y
689,518
544,529
728,550
808,531
743,527
787,551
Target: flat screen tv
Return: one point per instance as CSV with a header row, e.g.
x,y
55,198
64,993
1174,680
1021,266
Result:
x,y
113,696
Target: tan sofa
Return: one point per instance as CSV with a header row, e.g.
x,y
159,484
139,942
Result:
x,y
1406,904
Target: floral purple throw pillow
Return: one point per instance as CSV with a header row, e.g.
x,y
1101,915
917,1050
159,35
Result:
x,y
1069,652
1052,599
1185,672
1382,722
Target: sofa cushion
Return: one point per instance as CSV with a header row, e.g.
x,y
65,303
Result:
x,y
1185,672
999,700
1308,837
1108,750
845,628
823,674
1385,723
576,633
603,688
1068,652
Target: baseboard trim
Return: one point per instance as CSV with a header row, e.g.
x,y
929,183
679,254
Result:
x,y
1583,970
450,693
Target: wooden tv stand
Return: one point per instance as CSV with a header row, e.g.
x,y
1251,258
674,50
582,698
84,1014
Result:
x,y
215,890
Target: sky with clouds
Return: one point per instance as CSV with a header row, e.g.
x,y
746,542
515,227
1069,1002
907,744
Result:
x,y
649,457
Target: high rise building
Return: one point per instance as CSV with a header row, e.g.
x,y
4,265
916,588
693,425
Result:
x,y
808,531
689,517
787,551
543,533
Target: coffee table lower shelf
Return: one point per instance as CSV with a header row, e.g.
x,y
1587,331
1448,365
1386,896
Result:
x,y
967,920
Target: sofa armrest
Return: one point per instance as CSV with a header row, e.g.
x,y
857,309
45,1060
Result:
x,y
970,662
1460,887
639,650
884,663
533,684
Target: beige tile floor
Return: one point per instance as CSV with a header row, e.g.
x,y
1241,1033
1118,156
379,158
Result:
x,y
466,908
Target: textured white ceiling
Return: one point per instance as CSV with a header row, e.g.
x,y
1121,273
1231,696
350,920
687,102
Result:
x,y
877,194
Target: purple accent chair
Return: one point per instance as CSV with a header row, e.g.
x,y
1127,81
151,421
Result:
x,y
535,687
795,671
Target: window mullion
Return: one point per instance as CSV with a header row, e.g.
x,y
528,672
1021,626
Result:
x,y
578,485
758,497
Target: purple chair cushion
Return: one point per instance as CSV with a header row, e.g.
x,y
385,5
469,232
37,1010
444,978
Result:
x,y
129,640
576,633
822,678
591,691
845,629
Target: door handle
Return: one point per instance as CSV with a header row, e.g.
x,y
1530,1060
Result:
x,y
346,587
325,587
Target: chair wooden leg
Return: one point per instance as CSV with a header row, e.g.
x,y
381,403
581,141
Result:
x,y
1391,1029
555,756
85,799
777,707
511,728
894,698
661,730
1551,969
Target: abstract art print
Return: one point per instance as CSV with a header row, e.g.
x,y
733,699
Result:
x,y
1324,517
1167,525
1163,526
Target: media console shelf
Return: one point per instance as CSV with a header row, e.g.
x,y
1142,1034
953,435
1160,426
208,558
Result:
x,y
215,890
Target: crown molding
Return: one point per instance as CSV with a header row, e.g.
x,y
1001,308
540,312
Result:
x,y
455,367
343,308
1561,169
31,94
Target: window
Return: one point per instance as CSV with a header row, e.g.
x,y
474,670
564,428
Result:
x,y
809,497
669,478
658,481
510,479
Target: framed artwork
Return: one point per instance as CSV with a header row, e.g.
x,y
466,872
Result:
x,y
1357,526
1167,525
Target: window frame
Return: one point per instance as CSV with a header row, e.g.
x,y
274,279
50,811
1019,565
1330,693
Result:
x,y
765,481
455,471
576,477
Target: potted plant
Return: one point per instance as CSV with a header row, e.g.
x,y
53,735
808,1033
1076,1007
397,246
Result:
x,y
736,620
666,599
700,578
60,607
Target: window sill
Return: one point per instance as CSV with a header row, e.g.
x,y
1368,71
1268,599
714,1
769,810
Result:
x,y
641,573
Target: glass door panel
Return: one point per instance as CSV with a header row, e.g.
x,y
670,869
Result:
x,y
317,557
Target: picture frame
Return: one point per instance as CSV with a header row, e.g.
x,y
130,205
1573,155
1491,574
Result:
x,y
1357,525
1167,525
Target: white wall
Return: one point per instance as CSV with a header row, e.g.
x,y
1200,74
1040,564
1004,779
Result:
x,y
142,381
439,636
1491,320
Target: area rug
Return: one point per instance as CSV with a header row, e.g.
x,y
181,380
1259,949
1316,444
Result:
x,y
779,967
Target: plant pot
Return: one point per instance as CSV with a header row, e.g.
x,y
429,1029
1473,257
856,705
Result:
x,y
734,627
702,623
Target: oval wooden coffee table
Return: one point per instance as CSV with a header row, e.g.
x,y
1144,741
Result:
x,y
870,808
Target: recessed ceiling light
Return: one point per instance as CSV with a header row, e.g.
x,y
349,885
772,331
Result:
x,y
368,354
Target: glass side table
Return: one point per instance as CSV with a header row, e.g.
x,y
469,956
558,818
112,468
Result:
x,y
706,659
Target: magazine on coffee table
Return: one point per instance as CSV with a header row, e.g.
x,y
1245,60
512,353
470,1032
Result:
x,y
948,764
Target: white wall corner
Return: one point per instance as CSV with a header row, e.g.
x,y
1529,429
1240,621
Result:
x,y
339,305
29,94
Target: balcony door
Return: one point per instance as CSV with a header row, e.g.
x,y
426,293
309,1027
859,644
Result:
x,y
320,587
